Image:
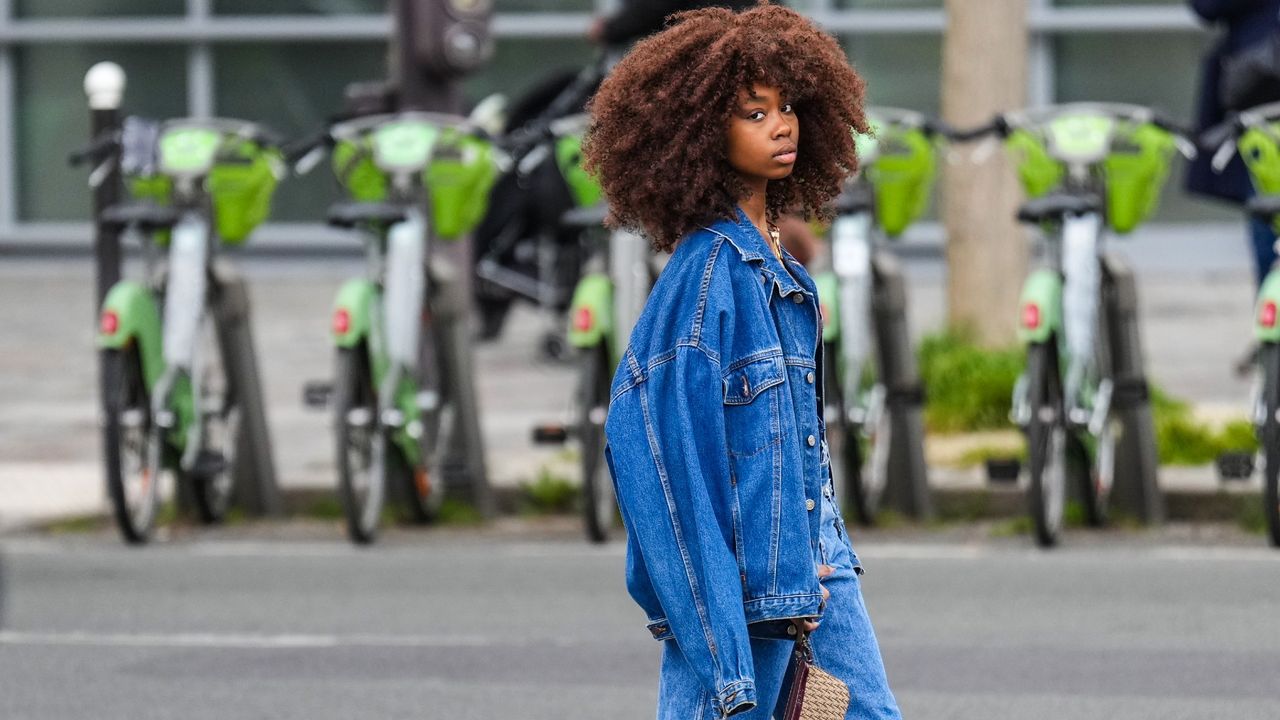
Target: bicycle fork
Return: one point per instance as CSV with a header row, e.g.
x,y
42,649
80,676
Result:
x,y
851,247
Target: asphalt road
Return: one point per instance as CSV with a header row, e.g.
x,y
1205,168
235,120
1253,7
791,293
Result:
x,y
512,624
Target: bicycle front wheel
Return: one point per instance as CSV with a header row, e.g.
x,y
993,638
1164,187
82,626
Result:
x,y
212,477
364,450
1046,443
599,507
1269,434
133,446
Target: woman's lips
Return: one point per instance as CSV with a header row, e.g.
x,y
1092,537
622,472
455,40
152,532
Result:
x,y
785,156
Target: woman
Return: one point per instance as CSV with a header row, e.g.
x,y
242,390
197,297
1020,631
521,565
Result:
x,y
703,136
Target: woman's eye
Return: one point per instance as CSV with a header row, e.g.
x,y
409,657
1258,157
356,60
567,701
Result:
x,y
788,109
757,115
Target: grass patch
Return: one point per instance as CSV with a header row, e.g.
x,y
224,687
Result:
x,y
967,387
324,508
1250,515
980,455
1013,527
1182,440
79,524
549,494
458,512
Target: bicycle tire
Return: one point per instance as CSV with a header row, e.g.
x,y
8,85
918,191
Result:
x,y
357,430
128,430
1046,443
1269,435
599,506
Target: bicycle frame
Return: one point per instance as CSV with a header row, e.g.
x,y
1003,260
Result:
x,y
384,312
610,296
849,320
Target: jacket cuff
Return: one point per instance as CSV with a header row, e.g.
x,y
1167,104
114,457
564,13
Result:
x,y
737,697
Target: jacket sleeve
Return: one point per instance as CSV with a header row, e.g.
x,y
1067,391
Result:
x,y
669,457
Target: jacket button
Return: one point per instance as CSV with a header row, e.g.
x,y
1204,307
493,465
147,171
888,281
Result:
x,y
791,629
798,298
809,504
809,377
812,441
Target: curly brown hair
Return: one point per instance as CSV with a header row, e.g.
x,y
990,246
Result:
x,y
657,138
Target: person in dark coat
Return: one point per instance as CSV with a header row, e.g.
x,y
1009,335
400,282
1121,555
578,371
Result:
x,y
1245,22
639,18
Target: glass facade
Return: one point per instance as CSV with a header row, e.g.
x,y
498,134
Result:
x,y
292,82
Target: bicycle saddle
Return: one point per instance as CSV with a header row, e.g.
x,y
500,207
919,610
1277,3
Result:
x,y
351,214
1056,206
145,215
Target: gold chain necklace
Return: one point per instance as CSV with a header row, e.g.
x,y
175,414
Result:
x,y
775,236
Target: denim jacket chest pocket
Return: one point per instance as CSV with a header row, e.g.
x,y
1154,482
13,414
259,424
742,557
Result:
x,y
752,400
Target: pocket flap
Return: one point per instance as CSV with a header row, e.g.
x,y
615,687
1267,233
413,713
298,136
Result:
x,y
743,384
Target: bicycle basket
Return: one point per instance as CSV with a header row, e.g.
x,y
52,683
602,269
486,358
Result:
x,y
1260,148
241,186
584,188
460,177
902,174
1135,172
1037,169
242,189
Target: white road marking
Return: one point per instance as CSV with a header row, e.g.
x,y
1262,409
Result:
x,y
238,641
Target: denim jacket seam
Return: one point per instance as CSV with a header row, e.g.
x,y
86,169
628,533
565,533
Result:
x,y
766,354
699,602
703,289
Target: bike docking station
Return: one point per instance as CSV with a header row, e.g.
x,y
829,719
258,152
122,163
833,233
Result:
x,y
1136,488
907,480
253,470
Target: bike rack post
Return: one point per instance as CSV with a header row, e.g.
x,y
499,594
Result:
x,y
466,474
104,86
254,472
1136,489
907,485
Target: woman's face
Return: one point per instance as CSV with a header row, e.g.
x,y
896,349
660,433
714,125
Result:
x,y
764,135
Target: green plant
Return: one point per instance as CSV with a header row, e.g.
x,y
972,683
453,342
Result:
x,y
457,512
966,387
1182,440
549,494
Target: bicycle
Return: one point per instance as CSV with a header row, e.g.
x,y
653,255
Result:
x,y
1087,167
1255,135
403,391
523,250
172,397
870,389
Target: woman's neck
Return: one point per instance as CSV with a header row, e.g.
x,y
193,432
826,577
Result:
x,y
756,209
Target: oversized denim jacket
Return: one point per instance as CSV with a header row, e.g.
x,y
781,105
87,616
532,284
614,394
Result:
x,y
717,452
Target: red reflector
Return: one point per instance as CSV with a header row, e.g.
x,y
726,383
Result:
x,y
341,322
1031,316
1267,318
110,322
583,320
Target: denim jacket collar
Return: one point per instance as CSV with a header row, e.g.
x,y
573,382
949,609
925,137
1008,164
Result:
x,y
744,236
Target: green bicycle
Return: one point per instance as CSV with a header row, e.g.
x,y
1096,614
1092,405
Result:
x,y
172,398
1255,135
871,384
1086,167
403,392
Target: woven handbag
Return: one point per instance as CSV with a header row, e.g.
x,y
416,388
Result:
x,y
813,693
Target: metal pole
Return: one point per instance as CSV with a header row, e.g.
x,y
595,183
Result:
x,y
1136,490
104,85
907,484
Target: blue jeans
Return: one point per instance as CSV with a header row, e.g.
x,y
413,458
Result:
x,y
843,645
1264,247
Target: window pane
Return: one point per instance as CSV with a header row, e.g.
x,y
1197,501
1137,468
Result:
x,y
900,70
53,119
96,8
1134,68
518,64
888,4
299,7
292,89
544,5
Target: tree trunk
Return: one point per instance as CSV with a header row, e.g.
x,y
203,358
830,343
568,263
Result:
x,y
984,63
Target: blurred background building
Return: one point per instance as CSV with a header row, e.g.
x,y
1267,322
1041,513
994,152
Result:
x,y
286,62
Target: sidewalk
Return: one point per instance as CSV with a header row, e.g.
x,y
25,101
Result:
x,y
1196,311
